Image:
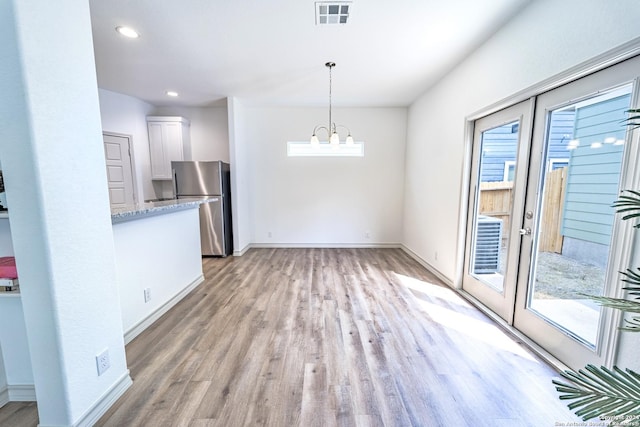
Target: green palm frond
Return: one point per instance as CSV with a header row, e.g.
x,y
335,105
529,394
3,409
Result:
x,y
634,118
631,325
633,280
629,204
600,391
617,303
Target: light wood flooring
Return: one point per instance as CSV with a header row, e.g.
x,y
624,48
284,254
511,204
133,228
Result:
x,y
326,337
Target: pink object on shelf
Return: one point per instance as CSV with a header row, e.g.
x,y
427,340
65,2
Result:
x,y
8,268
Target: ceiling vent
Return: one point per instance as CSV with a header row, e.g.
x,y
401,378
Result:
x,y
329,13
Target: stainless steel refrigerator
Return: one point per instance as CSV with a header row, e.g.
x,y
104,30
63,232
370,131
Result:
x,y
204,180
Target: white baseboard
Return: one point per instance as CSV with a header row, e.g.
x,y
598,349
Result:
x,y
137,329
325,245
447,281
102,405
22,392
17,393
4,396
242,251
27,393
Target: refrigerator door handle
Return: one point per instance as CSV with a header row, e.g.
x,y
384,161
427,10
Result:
x,y
175,183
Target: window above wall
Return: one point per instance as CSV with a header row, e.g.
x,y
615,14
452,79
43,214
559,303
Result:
x,y
306,149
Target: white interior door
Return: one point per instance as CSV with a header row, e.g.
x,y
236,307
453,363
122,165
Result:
x,y
578,166
496,199
117,152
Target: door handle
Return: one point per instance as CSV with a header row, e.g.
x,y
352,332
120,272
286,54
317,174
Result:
x,y
525,231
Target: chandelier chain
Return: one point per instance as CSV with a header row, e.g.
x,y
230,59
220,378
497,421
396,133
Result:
x,y
331,127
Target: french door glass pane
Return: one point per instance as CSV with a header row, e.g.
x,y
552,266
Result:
x,y
493,206
584,147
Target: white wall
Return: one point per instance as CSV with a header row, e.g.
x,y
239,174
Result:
x,y
209,130
326,200
15,348
240,157
6,244
54,170
4,392
13,340
128,115
161,253
547,38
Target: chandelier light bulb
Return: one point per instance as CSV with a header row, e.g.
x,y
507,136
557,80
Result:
x,y
335,139
349,140
314,140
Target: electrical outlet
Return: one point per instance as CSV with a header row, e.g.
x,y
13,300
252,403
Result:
x,y
436,256
147,294
367,234
102,361
269,235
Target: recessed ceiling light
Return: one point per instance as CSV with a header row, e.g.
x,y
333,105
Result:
x,y
172,93
128,32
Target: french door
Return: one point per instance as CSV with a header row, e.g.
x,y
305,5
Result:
x,y
500,157
558,238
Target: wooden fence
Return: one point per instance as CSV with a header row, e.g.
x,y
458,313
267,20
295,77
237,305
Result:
x,y
495,201
496,198
550,237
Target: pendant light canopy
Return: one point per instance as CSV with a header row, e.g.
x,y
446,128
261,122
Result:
x,y
332,132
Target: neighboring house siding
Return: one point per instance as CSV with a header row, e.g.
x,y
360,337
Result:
x,y
594,173
562,126
499,145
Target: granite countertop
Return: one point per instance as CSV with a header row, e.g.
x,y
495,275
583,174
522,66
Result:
x,y
141,210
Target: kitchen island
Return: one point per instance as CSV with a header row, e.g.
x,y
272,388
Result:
x,y
158,258
153,208
158,262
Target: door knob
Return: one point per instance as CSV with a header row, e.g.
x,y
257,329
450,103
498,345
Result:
x,y
525,231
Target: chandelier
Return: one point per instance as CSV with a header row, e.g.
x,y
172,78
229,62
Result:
x,y
332,133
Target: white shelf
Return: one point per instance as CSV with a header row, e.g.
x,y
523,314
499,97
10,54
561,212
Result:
x,y
9,294
4,215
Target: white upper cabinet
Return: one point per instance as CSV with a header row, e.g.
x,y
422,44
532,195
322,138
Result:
x,y
168,141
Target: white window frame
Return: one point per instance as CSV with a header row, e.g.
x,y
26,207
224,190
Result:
x,y
554,161
306,149
505,173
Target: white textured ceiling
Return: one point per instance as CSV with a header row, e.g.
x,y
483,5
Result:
x,y
272,53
